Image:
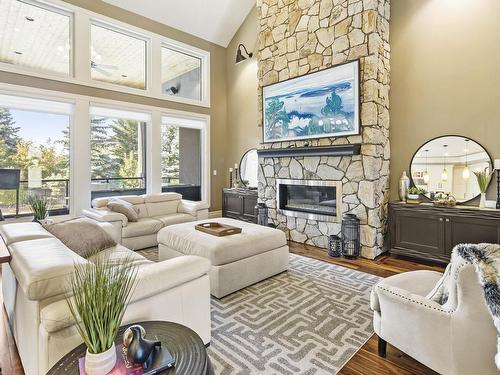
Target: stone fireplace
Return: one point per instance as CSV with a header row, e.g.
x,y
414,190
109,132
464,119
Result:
x,y
297,37
310,199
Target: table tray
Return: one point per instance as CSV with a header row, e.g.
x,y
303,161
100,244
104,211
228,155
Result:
x,y
217,229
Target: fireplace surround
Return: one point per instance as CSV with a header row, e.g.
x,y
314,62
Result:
x,y
310,199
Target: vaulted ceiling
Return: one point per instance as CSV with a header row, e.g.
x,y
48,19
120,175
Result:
x,y
214,20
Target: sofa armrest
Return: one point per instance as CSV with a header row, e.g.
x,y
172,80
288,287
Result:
x,y
157,277
105,216
196,209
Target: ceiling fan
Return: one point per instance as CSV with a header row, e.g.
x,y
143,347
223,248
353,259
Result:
x,y
101,68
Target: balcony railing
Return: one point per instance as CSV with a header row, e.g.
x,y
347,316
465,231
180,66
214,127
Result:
x,y
12,202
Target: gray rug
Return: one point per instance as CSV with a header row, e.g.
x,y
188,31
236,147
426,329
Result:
x,y
309,320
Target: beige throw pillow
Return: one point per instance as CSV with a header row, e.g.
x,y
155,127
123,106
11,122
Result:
x,y
83,236
125,208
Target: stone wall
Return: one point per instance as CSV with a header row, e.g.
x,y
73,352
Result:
x,y
297,37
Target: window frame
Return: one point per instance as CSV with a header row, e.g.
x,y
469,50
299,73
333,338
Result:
x,y
23,69
204,67
80,57
71,114
117,29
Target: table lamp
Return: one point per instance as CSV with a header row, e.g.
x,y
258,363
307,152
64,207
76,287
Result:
x,y
497,167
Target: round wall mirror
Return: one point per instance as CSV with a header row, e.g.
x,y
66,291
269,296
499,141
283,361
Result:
x,y
249,167
446,165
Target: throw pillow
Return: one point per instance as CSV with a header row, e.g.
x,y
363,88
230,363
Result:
x,y
123,207
440,292
83,236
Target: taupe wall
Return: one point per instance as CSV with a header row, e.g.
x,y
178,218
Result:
x,y
445,76
217,111
243,132
444,79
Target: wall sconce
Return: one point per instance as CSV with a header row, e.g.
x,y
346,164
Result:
x,y
497,167
239,54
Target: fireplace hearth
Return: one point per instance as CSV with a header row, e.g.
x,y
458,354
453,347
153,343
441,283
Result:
x,y
311,199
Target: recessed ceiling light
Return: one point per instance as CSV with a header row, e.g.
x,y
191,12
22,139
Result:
x,y
17,29
18,52
28,18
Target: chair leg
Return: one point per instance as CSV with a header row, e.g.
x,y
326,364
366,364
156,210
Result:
x,y
382,347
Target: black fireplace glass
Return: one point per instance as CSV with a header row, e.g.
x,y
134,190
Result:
x,y
312,199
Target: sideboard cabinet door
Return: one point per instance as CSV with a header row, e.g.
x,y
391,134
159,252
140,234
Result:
x,y
420,233
470,230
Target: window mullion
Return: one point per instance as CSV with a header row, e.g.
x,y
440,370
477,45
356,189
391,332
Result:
x,y
82,53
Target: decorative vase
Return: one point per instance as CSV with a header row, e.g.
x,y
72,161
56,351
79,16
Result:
x,y
482,201
102,363
404,185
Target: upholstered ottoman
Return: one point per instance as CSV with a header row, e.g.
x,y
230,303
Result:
x,y
237,261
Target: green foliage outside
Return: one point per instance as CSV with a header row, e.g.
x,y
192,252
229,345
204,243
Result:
x,y
116,151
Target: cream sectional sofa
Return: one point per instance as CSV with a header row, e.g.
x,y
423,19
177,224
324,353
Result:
x,y
156,211
34,284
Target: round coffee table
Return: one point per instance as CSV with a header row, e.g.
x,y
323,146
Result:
x,y
183,343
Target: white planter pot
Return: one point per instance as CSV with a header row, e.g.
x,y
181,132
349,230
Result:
x,y
413,196
102,363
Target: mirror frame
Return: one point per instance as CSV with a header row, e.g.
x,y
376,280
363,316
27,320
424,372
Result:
x,y
412,183
239,167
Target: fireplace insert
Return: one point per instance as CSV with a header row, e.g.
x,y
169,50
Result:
x,y
311,199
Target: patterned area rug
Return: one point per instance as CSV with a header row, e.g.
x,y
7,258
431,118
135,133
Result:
x,y
309,320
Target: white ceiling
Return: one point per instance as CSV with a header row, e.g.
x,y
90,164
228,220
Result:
x,y
214,20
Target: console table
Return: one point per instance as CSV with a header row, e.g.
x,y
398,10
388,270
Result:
x,y
184,344
428,233
239,204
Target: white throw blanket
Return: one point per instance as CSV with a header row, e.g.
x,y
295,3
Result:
x,y
486,259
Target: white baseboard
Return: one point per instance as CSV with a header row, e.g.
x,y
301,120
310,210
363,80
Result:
x,y
214,214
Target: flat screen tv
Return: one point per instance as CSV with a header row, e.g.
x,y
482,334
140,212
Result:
x,y
9,179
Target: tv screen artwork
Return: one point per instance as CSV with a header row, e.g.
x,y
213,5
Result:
x,y
317,105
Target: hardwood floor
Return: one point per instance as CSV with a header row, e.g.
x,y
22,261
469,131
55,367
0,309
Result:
x,y
365,361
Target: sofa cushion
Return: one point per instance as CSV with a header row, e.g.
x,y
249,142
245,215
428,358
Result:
x,y
84,236
103,202
143,210
254,239
174,219
125,208
162,208
42,266
164,197
142,227
17,232
120,252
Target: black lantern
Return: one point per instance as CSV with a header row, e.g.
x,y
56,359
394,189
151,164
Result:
x,y
350,236
334,246
261,214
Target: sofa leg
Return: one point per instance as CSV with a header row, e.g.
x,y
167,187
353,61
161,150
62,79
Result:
x,y
382,347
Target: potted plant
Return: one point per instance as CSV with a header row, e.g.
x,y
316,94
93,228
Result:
x,y
414,193
483,180
99,295
40,207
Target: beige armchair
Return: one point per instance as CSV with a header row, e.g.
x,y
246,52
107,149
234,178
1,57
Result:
x,y
457,337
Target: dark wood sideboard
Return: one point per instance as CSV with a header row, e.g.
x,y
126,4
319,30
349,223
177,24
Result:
x,y
427,233
239,204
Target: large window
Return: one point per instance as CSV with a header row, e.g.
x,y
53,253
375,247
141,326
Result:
x,y
180,74
35,36
117,57
34,140
118,149
181,158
